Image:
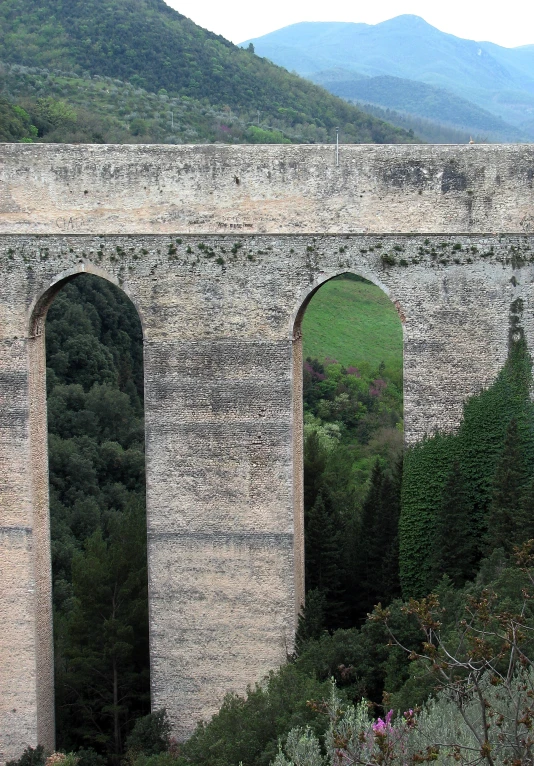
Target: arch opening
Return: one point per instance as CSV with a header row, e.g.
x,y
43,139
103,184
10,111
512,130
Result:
x,y
348,442
87,403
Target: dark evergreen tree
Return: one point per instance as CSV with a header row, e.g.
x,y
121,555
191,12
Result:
x,y
314,465
323,545
507,499
376,576
455,538
389,582
104,673
370,554
311,622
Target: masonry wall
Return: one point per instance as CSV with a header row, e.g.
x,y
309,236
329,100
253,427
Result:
x,y
220,320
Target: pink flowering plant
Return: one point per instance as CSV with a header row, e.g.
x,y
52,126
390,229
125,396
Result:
x,y
353,738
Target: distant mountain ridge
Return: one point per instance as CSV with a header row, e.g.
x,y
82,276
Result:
x,y
152,46
496,79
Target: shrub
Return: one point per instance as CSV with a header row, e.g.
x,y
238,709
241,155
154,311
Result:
x,y
32,756
151,734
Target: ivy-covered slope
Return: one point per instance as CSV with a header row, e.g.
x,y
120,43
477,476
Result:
x,y
154,47
496,423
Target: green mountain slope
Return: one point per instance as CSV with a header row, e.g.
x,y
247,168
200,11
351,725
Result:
x,y
75,109
431,131
153,47
500,80
419,99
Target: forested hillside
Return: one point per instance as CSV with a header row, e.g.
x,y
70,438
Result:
x,y
42,106
155,49
420,99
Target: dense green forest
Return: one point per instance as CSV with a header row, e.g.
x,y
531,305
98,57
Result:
x,y
39,105
160,60
42,105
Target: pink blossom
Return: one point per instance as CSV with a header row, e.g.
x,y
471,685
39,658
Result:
x,y
353,371
314,374
377,387
380,727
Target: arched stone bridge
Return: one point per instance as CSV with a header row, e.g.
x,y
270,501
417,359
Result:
x,y
219,248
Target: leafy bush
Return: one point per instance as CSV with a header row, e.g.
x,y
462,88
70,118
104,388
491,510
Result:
x,y
247,728
263,136
32,756
15,123
150,734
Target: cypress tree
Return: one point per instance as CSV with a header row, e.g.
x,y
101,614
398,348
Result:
x,y
389,585
426,468
455,540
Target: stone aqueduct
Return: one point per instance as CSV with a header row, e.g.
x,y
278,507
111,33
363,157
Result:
x,y
219,248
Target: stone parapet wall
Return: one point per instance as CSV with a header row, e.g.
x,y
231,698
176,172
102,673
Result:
x,y
50,188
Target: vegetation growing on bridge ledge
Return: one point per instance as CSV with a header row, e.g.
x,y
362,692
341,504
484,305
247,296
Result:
x,y
467,493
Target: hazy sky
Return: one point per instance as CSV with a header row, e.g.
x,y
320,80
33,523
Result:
x,y
510,24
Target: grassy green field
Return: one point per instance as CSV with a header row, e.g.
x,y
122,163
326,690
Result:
x,y
352,322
